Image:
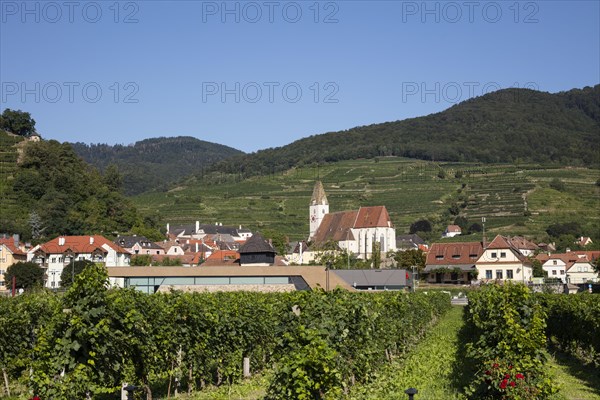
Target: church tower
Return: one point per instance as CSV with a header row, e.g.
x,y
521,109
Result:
x,y
318,208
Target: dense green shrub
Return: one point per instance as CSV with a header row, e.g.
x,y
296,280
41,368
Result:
x,y
574,324
508,326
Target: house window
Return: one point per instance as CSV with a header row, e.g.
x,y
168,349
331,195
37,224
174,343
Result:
x,y
562,271
53,260
502,254
509,274
488,274
585,269
494,255
554,262
438,257
498,274
553,272
456,256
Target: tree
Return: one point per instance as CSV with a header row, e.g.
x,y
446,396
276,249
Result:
x,y
28,274
17,122
112,178
279,240
475,227
421,225
557,184
141,260
567,228
35,222
461,221
538,271
66,277
409,258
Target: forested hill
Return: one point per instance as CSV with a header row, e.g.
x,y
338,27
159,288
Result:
x,y
46,190
152,163
505,126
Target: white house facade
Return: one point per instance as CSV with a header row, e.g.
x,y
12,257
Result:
x,y
501,261
58,253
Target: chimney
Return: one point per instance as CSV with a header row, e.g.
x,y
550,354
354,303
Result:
x,y
16,240
567,250
91,240
197,226
167,228
196,247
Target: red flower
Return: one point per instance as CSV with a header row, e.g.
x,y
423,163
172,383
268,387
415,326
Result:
x,y
488,372
519,376
495,365
35,398
512,383
503,384
510,367
506,376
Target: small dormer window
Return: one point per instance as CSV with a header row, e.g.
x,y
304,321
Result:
x,y
502,254
494,255
439,257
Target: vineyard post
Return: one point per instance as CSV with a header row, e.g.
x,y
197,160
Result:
x,y
6,381
411,393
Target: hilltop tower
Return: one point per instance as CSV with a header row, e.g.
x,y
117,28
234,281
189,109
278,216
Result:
x,y
319,206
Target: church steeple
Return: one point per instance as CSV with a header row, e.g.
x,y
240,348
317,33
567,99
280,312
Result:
x,y
319,206
318,196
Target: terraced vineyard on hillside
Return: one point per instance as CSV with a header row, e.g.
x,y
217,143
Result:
x,y
514,199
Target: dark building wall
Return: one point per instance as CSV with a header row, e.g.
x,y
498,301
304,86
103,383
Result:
x,y
257,258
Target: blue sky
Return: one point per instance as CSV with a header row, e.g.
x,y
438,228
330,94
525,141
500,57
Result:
x,y
254,75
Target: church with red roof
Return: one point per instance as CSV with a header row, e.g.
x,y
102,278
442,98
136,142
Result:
x,y
355,231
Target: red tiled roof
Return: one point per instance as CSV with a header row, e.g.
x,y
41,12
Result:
x,y
521,243
336,227
222,257
592,255
499,242
80,244
10,244
373,217
454,253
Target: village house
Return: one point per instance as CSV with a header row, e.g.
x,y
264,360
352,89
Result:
x,y
451,231
58,253
200,231
356,232
11,251
502,261
411,242
139,245
583,241
573,267
453,262
257,251
301,253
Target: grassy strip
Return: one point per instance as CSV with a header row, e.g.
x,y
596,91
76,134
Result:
x,y
430,367
577,382
248,389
